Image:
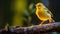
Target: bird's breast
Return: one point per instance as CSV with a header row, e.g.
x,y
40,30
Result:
x,y
42,15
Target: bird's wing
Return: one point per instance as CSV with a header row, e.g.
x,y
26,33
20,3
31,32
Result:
x,y
48,11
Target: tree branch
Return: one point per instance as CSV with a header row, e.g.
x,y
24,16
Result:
x,y
51,27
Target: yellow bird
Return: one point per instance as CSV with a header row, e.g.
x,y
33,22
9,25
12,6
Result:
x,y
43,13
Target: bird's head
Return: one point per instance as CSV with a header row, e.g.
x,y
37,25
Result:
x,y
39,5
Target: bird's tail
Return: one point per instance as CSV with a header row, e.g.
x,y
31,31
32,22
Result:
x,y
51,20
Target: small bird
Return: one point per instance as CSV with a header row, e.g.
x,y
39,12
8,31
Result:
x,y
43,13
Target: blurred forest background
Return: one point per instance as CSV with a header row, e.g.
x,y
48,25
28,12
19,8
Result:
x,y
22,12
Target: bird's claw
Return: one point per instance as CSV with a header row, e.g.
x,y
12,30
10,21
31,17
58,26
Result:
x,y
40,24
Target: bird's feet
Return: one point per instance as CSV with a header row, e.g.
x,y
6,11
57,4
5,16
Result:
x,y
40,24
